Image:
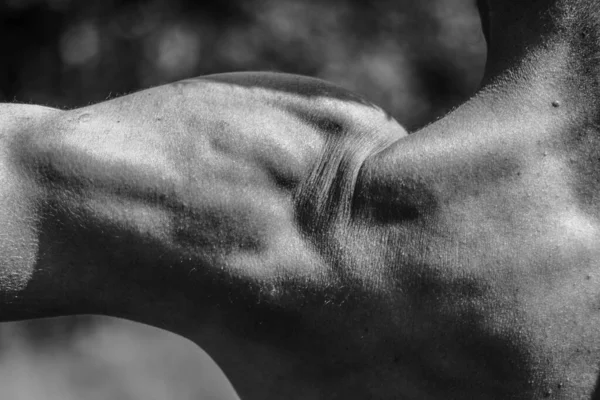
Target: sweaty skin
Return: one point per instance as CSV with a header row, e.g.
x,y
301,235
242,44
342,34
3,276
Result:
x,y
295,232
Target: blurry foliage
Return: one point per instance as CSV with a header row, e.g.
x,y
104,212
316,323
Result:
x,y
415,58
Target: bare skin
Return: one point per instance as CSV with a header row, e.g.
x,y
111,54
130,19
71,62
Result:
x,y
310,246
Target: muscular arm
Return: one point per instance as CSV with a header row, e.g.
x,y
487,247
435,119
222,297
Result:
x,y
280,224
199,207
463,264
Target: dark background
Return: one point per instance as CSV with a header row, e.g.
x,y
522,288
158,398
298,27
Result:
x,y
417,59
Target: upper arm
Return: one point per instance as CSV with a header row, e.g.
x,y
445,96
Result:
x,y
201,181
196,181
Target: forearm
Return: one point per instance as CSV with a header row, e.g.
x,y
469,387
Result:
x,y
20,199
42,272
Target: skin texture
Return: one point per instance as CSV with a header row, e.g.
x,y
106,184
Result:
x,y
316,251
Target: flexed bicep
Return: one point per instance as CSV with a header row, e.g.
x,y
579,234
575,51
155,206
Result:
x,y
224,172
209,207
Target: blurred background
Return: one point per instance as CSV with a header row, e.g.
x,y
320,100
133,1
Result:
x,y
417,59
